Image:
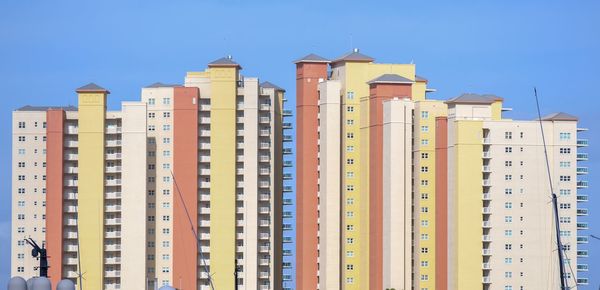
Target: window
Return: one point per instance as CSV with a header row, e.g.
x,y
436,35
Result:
x,y
166,165
349,122
151,128
350,187
350,201
565,150
349,227
508,219
350,241
565,219
350,174
424,196
166,191
166,178
349,148
350,135
424,182
507,260
151,192
166,101
508,205
151,115
349,161
565,136
350,109
424,155
508,233
166,127
565,192
166,114
424,209
349,254
424,129
21,125
151,101
565,206
166,153
21,151
166,140
424,263
349,280
508,135
424,114
508,177
425,223
166,244
565,178
424,169
507,163
424,237
425,142
349,214
565,164
424,277
165,269
350,267
508,191
424,250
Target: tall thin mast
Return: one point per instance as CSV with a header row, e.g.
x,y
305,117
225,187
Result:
x,y
563,276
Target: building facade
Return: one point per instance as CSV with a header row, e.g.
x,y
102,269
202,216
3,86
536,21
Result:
x,y
146,196
386,182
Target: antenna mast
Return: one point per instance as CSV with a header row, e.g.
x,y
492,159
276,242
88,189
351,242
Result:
x,y
563,276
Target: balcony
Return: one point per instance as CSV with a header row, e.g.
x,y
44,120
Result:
x,y
204,184
112,156
582,170
112,182
486,168
264,145
112,222
287,150
205,158
112,195
112,235
113,143
71,157
582,239
70,183
204,120
486,210
487,140
287,214
582,184
113,169
287,201
112,274
112,260
487,280
287,163
487,182
264,197
70,248
287,138
265,133
582,254
287,176
264,171
286,113
582,267
582,281
486,238
264,120
287,227
264,236
582,142
582,197
286,125
112,208
582,157
264,184
113,130
264,210
486,224
287,188
204,133
265,107
486,252
264,223
582,211
582,226
264,158
112,247
486,266
487,196
487,155
287,240
206,146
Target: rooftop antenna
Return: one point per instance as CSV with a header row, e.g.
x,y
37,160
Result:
x,y
192,228
563,275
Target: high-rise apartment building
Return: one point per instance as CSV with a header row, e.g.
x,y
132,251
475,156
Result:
x,y
182,188
395,190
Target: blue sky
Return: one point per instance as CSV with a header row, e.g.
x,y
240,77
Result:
x,y
49,48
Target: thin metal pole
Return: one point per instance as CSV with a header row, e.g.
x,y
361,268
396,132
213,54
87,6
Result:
x,y
563,278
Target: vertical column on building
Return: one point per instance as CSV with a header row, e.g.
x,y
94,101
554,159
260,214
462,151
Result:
x,y
55,121
90,210
277,193
250,182
382,88
465,151
223,174
308,73
397,193
441,203
329,181
133,201
185,188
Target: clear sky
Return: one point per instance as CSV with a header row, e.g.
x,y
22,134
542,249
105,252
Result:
x,y
49,48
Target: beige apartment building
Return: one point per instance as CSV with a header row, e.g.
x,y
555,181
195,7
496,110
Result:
x,y
145,196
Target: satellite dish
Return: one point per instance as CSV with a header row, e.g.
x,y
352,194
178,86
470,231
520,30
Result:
x,y
17,283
